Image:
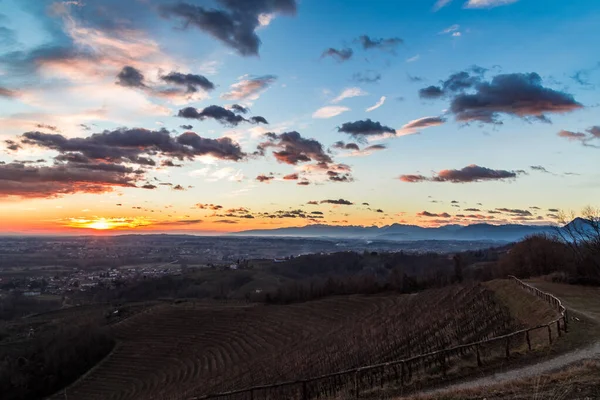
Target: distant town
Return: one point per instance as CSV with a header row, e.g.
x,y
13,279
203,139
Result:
x,y
63,267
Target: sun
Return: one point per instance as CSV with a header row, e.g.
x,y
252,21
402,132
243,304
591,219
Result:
x,y
100,224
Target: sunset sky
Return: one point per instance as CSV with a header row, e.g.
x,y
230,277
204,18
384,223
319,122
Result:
x,y
224,115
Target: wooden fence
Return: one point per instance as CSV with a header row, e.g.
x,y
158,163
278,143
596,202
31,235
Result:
x,y
352,383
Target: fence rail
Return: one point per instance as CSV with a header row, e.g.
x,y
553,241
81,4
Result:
x,y
400,370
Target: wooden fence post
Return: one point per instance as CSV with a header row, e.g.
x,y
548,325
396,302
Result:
x,y
549,334
528,340
304,391
478,356
508,347
356,389
558,327
251,394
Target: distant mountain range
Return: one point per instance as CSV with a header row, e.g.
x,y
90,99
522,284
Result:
x,y
399,232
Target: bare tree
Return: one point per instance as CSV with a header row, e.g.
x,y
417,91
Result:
x,y
582,235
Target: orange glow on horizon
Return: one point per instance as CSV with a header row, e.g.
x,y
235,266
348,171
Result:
x,y
102,223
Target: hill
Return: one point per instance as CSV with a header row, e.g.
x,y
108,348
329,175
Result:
x,y
179,351
400,232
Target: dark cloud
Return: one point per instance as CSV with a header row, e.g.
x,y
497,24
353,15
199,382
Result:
x,y
554,210
225,221
291,177
294,149
472,209
366,77
431,92
239,109
265,178
539,168
186,127
363,128
303,183
213,207
222,148
460,82
340,55
313,203
219,114
169,163
258,120
4,92
25,181
190,81
149,186
338,202
389,44
586,138
131,77
46,126
375,147
335,176
180,222
517,95
345,146
136,145
178,187
514,211
429,214
12,145
413,178
85,127
235,25
471,173
379,210
456,83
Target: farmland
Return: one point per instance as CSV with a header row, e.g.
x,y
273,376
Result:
x,y
177,351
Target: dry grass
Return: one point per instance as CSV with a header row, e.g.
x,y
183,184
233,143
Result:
x,y
580,381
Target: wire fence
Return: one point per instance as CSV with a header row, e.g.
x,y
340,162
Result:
x,y
353,383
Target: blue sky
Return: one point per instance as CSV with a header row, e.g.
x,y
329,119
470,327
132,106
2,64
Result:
x,y
60,65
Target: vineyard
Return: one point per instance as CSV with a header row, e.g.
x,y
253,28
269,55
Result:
x,y
188,350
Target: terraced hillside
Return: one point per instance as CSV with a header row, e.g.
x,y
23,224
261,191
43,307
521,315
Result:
x,y
179,351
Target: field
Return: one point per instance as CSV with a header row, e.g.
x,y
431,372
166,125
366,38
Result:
x,y
177,351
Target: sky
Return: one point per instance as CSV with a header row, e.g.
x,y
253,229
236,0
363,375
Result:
x,y
210,116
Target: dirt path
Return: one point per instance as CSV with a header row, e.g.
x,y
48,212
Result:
x,y
573,303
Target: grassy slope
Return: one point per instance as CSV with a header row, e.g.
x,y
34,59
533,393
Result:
x,y
579,381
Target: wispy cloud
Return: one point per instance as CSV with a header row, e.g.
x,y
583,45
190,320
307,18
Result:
x,y
329,111
441,4
249,88
416,125
376,105
488,3
450,29
349,93
413,59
